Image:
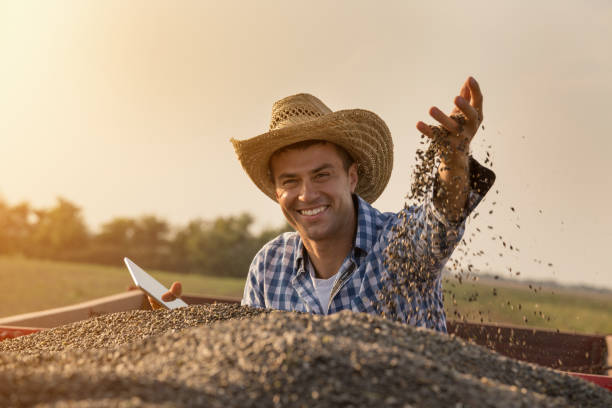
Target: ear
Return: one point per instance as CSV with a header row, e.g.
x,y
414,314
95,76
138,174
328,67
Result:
x,y
353,176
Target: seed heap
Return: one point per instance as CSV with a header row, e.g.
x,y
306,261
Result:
x,y
286,359
111,330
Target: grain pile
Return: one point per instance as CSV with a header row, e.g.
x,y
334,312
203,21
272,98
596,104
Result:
x,y
286,359
111,330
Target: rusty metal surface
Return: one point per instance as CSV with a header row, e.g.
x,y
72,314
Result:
x,y
10,332
579,353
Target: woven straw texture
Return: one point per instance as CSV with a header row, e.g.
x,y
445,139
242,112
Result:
x,y
301,117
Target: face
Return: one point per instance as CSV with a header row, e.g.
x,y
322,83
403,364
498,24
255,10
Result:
x,y
314,191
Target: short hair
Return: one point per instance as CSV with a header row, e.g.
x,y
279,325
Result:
x,y
346,158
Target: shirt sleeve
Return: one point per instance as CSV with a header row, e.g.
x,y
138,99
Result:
x,y
427,237
253,289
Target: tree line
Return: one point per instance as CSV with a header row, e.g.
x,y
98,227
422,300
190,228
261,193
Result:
x,y
224,246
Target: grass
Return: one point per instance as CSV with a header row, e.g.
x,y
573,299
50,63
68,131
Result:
x,y
569,310
31,285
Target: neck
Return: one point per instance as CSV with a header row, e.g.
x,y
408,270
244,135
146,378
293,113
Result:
x,y
327,255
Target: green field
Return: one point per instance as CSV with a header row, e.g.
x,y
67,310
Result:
x,y
570,310
31,285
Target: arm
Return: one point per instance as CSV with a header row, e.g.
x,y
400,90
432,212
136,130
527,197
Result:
x,y
454,139
427,235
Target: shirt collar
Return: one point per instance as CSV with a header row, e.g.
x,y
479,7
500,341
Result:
x,y
364,238
366,224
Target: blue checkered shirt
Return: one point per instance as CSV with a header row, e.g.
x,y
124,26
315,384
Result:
x,y
279,279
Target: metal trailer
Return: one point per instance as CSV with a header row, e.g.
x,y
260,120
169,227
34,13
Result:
x,y
585,356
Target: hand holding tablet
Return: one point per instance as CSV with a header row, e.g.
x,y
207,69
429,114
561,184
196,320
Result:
x,y
151,286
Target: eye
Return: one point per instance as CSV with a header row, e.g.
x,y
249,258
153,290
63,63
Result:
x,y
322,176
288,183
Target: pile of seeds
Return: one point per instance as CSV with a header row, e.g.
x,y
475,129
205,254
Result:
x,y
288,359
126,327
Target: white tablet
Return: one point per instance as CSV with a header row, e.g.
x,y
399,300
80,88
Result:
x,y
151,286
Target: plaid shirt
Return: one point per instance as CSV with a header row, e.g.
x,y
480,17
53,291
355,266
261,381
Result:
x,y
278,277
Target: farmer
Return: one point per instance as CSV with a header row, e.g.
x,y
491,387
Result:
x,y
325,169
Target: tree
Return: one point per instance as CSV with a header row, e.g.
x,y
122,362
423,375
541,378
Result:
x,y
15,227
145,239
223,247
58,231
117,232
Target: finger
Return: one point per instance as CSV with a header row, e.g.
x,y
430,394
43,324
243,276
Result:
x,y
424,129
168,297
176,289
468,110
444,120
154,304
465,90
476,99
175,292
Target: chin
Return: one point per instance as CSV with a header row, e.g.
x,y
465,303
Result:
x,y
315,234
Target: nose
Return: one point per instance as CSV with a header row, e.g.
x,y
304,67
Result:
x,y
308,192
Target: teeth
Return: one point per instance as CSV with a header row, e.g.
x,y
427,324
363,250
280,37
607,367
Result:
x,y
314,211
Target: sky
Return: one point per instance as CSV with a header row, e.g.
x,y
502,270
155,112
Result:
x,y
127,108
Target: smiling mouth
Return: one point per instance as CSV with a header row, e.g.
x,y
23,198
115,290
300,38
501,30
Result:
x,y
312,211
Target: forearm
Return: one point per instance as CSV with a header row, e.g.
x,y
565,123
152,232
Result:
x,y
452,189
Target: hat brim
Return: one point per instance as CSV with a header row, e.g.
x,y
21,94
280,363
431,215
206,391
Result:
x,y
363,134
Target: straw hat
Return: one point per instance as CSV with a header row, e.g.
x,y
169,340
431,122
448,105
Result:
x,y
301,117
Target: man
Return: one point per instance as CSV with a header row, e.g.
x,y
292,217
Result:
x,y
324,169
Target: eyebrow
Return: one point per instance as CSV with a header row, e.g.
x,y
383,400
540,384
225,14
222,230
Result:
x,y
318,169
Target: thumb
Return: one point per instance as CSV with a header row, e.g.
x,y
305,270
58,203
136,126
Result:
x,y
175,291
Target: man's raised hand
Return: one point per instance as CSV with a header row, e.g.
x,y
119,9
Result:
x,y
469,103
453,140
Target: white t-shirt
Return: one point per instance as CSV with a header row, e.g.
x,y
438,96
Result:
x,y
323,287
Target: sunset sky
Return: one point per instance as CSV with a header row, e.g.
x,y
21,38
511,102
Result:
x,y
127,107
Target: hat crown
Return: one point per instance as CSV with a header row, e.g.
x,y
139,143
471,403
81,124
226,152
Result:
x,y
296,109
